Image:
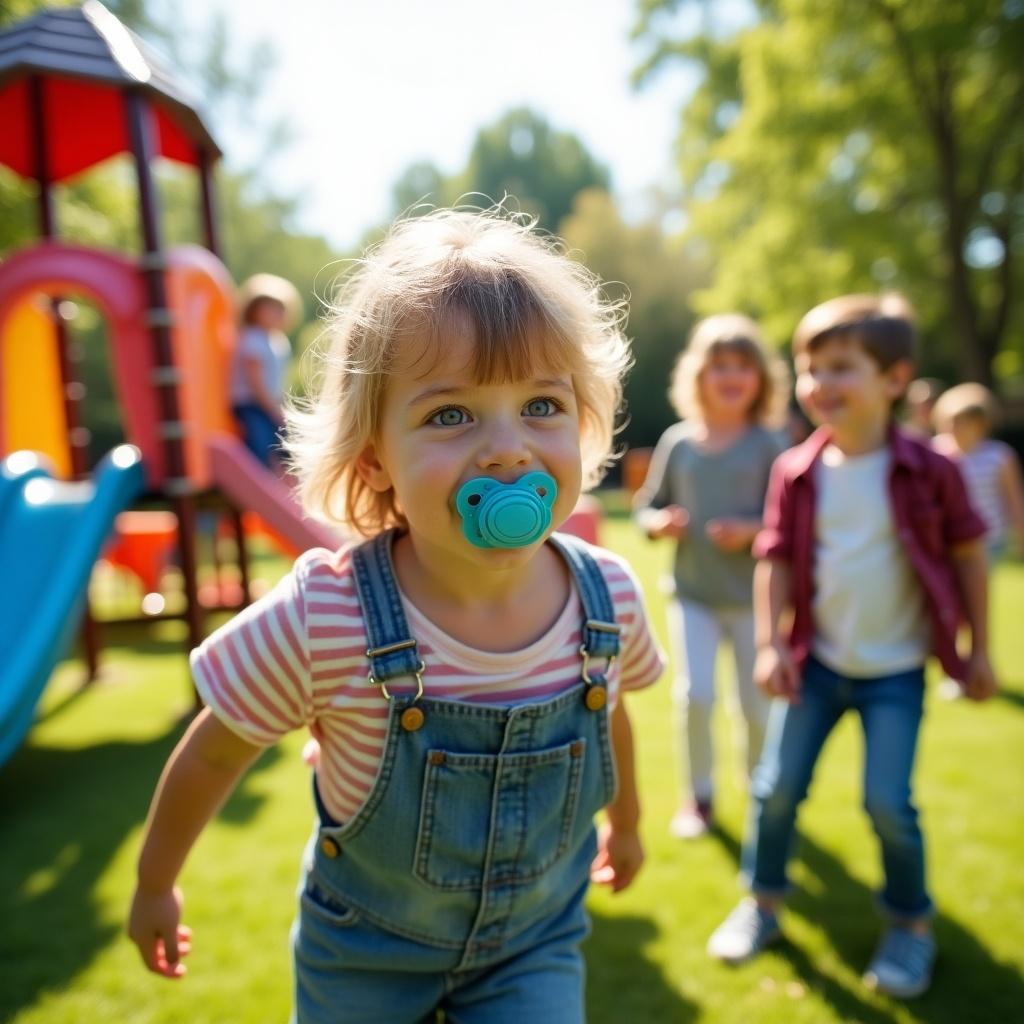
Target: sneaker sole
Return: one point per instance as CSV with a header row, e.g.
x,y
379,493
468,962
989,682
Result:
x,y
740,960
872,984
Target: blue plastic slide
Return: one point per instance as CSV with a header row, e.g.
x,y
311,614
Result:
x,y
51,533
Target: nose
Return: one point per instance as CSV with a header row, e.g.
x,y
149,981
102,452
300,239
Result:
x,y
503,446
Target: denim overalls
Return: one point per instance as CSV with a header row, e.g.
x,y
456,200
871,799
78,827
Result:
x,y
459,884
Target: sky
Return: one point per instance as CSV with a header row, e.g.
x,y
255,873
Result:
x,y
370,86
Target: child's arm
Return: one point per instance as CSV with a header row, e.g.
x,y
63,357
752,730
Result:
x,y
654,508
775,670
620,852
733,533
199,776
1011,484
971,568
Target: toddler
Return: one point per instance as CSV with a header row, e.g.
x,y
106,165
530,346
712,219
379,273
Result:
x,y
463,668
259,363
705,490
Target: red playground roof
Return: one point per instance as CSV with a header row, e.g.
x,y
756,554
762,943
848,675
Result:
x,y
85,60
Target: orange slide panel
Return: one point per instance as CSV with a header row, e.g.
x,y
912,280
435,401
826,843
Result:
x,y
31,403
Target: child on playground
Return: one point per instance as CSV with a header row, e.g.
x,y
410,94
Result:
x,y
964,416
870,542
705,490
463,669
269,306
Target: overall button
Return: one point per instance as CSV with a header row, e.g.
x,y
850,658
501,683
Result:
x,y
596,698
329,847
412,719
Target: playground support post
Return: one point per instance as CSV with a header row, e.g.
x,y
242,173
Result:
x,y
73,391
177,485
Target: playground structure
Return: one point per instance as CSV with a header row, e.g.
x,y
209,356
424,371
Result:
x,y
76,87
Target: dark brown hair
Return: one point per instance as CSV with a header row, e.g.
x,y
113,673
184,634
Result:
x,y
883,325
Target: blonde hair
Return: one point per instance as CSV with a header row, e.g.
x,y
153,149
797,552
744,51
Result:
x,y
485,275
729,332
965,400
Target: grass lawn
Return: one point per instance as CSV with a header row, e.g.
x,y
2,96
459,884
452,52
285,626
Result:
x,y
73,799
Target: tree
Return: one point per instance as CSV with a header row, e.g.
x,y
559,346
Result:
x,y
876,143
520,156
638,265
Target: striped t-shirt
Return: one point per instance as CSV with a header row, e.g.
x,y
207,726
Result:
x,y
981,468
297,657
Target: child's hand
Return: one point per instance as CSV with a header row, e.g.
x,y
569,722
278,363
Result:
x,y
980,683
776,674
671,521
154,925
620,855
731,534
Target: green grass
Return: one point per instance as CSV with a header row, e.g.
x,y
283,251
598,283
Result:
x,y
73,799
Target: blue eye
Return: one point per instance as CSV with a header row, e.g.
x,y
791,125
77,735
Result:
x,y
449,416
541,407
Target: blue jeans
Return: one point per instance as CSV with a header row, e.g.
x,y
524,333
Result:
x,y
259,432
890,709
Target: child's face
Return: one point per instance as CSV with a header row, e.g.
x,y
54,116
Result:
x,y
730,384
968,430
440,428
268,314
840,385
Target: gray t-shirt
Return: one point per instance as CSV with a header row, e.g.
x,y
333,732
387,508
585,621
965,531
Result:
x,y
718,485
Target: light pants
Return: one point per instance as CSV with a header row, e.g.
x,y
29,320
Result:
x,y
696,632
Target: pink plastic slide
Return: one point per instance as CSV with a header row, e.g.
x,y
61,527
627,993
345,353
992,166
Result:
x,y
253,488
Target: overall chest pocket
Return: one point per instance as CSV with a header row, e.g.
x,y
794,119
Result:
x,y
513,813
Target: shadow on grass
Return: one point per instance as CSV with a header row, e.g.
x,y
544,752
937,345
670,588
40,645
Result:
x,y
969,984
1013,697
65,816
623,984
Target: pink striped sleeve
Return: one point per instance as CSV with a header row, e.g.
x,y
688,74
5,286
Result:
x,y
253,672
641,660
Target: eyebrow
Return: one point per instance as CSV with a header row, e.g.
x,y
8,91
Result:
x,y
454,390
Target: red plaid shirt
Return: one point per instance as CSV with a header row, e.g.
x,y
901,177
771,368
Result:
x,y
931,515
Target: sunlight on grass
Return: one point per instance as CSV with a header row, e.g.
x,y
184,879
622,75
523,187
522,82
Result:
x,y
74,798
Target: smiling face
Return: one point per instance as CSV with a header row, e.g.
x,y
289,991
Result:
x,y
839,384
441,427
730,384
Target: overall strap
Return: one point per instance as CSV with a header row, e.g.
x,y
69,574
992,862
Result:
x,y
392,647
600,630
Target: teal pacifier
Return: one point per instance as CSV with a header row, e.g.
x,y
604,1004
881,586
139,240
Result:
x,y
497,515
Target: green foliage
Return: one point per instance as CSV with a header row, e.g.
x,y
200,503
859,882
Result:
x,y
875,144
521,156
639,266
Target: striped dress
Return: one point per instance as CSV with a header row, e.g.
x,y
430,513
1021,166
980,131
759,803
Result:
x,y
296,658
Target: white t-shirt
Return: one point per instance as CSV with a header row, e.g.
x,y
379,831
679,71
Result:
x,y
869,611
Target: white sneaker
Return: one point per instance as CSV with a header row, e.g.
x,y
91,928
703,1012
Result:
x,y
744,933
692,822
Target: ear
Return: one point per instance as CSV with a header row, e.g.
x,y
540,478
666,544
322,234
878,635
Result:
x,y
899,376
372,471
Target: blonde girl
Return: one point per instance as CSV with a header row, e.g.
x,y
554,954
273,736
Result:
x,y
463,674
705,490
